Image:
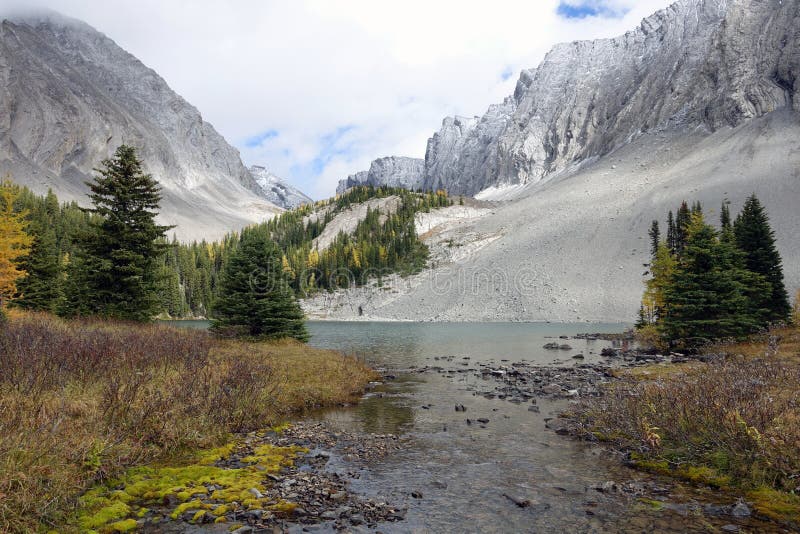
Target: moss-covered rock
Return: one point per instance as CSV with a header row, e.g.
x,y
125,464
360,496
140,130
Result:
x,y
202,485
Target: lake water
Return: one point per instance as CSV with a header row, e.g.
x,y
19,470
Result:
x,y
463,471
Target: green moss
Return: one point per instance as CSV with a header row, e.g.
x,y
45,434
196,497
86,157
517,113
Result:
x,y
703,475
126,525
221,519
196,504
279,429
198,516
776,505
212,456
283,507
97,517
652,504
657,466
220,510
122,498
273,458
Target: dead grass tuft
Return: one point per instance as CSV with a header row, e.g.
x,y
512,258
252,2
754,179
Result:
x,y
731,422
81,401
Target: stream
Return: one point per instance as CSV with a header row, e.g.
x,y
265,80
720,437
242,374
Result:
x,y
503,470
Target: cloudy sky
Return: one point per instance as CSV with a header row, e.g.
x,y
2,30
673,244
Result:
x,y
316,89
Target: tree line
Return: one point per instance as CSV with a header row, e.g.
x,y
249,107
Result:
x,y
707,284
114,260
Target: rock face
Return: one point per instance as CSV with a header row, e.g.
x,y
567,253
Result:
x,y
277,191
698,63
69,96
394,171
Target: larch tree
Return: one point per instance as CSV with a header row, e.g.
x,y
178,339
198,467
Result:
x,y
15,242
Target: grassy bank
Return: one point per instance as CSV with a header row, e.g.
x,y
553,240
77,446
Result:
x,y
732,422
81,402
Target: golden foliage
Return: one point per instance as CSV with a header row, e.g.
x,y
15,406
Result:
x,y
14,242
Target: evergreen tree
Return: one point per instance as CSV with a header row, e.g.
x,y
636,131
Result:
x,y
41,288
682,221
655,238
755,238
726,227
119,263
672,237
254,299
706,298
15,242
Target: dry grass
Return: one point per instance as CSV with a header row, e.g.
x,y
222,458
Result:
x,y
733,422
82,401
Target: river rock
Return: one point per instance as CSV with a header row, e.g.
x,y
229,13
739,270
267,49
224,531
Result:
x,y
740,509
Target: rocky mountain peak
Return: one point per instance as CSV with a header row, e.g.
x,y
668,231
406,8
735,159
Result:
x,y
394,171
696,64
69,96
278,191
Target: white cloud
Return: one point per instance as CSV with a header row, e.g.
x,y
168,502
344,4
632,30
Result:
x,y
390,71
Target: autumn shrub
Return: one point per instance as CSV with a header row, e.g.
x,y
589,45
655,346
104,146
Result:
x,y
81,401
733,422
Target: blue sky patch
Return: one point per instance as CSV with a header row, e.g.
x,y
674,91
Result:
x,y
258,139
507,73
588,8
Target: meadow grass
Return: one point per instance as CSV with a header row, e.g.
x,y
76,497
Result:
x,y
732,422
83,401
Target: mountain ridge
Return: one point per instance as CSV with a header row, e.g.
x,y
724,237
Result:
x,y
698,63
71,95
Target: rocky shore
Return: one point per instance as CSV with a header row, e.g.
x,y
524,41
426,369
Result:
x,y
307,495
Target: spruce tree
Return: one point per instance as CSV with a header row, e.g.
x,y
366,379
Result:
x,y
726,227
655,238
254,299
682,221
672,238
41,288
755,238
707,298
118,275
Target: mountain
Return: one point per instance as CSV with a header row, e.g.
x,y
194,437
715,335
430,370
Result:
x,y
69,96
277,191
394,171
700,102
698,63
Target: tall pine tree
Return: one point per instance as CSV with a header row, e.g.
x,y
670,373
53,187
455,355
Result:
x,y
254,299
755,238
117,273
